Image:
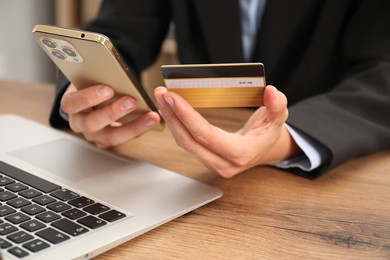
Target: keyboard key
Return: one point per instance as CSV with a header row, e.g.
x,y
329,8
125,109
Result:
x,y
58,206
33,209
36,245
4,243
17,218
74,213
69,227
96,208
6,210
52,235
7,228
20,237
64,194
18,252
18,202
81,202
112,215
44,200
6,195
92,222
30,193
5,181
33,225
16,187
48,216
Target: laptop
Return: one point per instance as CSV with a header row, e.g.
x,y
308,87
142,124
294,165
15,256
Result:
x,y
61,197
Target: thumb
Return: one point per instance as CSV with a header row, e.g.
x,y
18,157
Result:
x,y
273,111
275,103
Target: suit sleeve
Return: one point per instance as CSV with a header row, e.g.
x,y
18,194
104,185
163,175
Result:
x,y
136,28
353,118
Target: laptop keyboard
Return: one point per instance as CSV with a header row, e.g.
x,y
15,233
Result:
x,y
36,214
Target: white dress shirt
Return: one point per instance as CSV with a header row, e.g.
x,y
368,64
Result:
x,y
314,154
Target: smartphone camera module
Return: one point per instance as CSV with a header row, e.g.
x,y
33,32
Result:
x,y
69,52
49,43
61,49
58,55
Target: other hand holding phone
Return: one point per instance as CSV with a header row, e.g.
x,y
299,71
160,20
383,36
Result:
x,y
98,124
89,59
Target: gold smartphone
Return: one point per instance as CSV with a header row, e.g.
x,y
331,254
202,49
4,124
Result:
x,y
89,58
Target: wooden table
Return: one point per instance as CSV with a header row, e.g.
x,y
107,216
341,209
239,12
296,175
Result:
x,y
265,213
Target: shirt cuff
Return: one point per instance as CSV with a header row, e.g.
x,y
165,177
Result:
x,y
314,153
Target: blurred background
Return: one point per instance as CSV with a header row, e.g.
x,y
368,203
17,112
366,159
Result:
x,y
21,59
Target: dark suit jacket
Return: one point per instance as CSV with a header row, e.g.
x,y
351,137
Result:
x,y
331,58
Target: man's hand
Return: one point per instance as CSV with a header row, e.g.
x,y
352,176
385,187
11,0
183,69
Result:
x,y
263,139
100,125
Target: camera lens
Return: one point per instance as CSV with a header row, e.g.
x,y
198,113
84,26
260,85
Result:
x,y
58,55
69,52
49,43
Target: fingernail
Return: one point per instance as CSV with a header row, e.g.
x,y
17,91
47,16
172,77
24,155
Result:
x,y
272,86
127,104
160,101
149,122
169,99
105,91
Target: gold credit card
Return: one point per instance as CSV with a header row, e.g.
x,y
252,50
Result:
x,y
217,85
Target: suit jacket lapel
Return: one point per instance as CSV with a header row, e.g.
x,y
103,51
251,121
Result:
x,y
279,29
220,22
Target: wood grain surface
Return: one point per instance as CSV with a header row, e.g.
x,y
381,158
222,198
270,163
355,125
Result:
x,y
265,213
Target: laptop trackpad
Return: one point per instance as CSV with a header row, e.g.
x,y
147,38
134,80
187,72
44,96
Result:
x,y
68,159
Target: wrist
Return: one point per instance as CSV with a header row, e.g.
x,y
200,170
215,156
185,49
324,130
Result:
x,y
285,147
